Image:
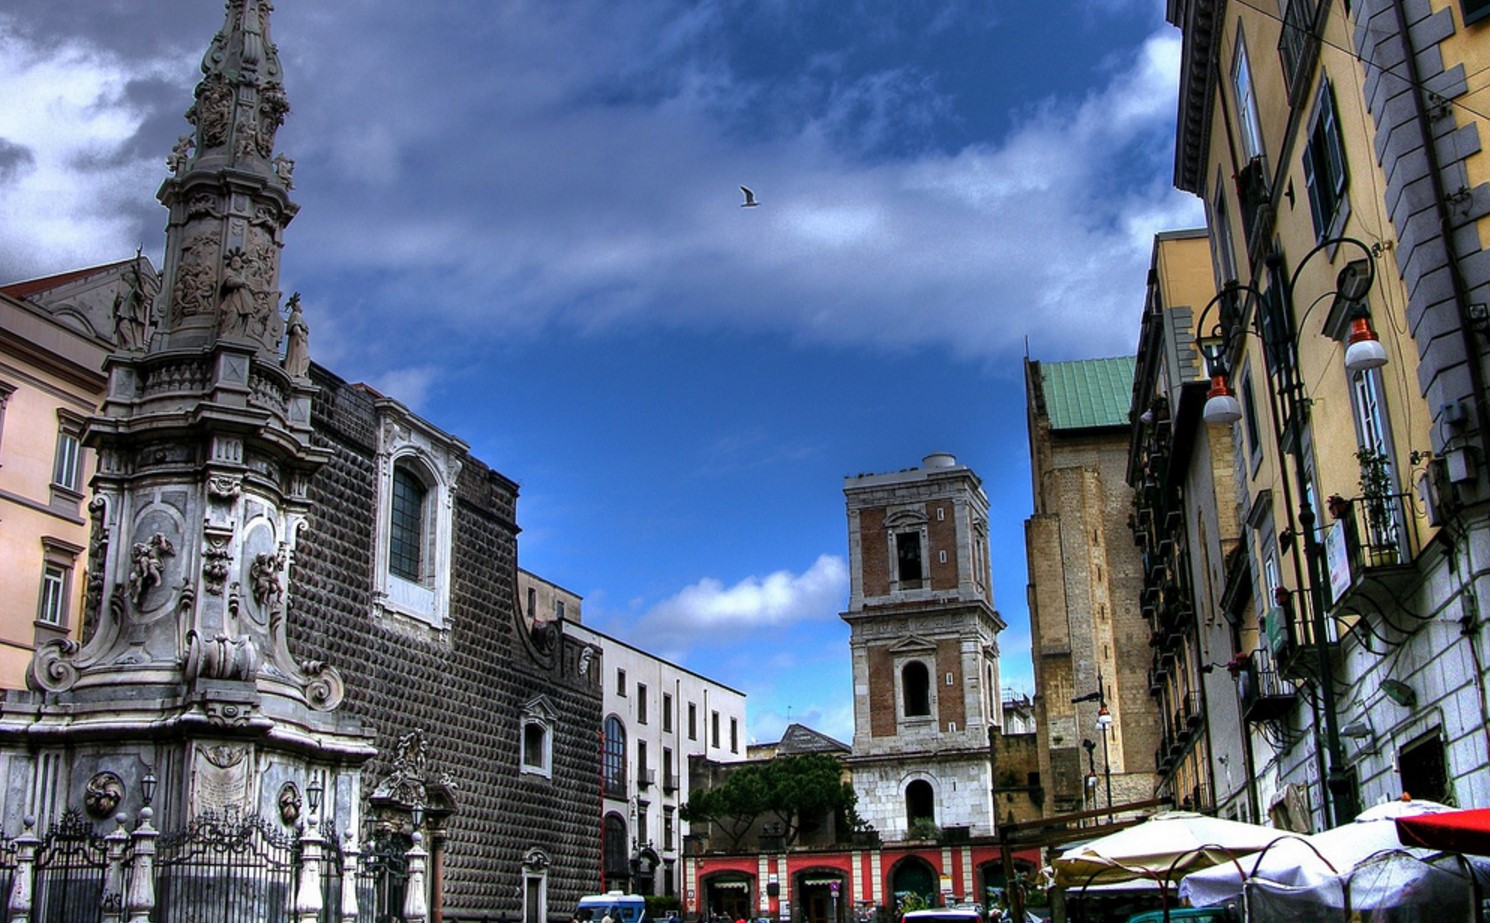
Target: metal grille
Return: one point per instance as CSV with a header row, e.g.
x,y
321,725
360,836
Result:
x,y
383,878
225,868
70,866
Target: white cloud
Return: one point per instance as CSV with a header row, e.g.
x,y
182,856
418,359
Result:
x,y
709,612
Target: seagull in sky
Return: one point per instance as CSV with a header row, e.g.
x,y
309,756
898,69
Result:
x,y
750,201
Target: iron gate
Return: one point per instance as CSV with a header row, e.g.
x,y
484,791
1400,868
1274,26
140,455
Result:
x,y
225,867
71,865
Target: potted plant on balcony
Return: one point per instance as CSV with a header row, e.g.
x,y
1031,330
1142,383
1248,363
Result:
x,y
1377,489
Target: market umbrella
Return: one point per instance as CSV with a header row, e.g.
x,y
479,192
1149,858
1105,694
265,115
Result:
x,y
1300,861
1162,847
1451,831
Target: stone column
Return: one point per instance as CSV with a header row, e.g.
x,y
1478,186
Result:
x,y
20,888
115,845
416,904
139,901
308,898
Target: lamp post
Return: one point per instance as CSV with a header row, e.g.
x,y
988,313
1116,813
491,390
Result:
x,y
1104,724
1273,322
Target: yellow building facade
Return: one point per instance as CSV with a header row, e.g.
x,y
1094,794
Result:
x,y
1337,147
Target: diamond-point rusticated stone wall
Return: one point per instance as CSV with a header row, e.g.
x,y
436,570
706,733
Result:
x,y
465,684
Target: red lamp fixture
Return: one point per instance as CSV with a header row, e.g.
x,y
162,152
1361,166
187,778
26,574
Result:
x,y
1221,405
1363,348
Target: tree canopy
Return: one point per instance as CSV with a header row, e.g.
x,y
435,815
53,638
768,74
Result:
x,y
790,789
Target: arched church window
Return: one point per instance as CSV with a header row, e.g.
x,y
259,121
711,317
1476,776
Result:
x,y
920,803
406,534
614,779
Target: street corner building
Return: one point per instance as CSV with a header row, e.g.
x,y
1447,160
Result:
x,y
281,668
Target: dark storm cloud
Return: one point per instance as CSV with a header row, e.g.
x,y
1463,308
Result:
x,y
13,159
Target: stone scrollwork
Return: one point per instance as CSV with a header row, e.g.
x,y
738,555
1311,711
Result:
x,y
535,860
103,794
52,666
224,487
324,688
216,564
220,658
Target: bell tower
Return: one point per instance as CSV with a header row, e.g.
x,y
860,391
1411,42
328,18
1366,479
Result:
x,y
924,642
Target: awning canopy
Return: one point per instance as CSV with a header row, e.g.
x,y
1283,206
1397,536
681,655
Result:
x,y
1451,831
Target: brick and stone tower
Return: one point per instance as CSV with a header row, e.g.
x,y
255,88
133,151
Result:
x,y
924,638
205,458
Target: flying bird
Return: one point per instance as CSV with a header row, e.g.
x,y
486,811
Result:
x,y
750,201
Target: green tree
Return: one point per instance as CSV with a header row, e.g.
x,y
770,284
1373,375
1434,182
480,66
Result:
x,y
787,788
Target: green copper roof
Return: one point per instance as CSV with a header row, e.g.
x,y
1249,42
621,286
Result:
x,y
1087,394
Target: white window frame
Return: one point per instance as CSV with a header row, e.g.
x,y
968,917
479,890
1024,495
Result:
x,y
1249,122
538,712
55,590
405,440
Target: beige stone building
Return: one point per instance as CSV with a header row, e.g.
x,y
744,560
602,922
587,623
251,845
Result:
x,y
54,334
1089,640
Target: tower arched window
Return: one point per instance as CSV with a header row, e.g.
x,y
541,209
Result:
x,y
915,686
614,768
408,528
920,803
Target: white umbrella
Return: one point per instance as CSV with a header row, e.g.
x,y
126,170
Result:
x,y
1309,861
1163,846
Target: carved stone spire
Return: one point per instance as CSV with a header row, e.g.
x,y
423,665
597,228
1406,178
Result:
x,y
204,438
229,195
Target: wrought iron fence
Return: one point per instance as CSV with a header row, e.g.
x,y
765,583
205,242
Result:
x,y
226,867
383,878
71,866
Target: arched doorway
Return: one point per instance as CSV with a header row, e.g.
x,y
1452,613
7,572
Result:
x,y
729,895
914,875
820,895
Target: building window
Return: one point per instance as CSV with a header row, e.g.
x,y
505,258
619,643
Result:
x,y
614,853
1324,166
643,771
1223,250
915,690
667,713
535,896
908,560
668,835
613,772
558,608
734,735
692,721
417,470
920,804
1424,768
641,703
1249,420
67,463
6,390
58,559
714,729
1246,103
669,775
532,602
406,527
621,683
53,608
537,741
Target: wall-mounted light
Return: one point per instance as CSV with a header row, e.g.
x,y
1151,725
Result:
x,y
1104,718
1399,692
313,794
147,787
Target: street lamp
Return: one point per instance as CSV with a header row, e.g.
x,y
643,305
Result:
x,y
1104,724
1273,322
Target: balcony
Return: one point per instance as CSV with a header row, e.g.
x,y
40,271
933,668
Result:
x,y
1265,695
1199,798
669,782
1255,199
1291,642
644,778
1369,550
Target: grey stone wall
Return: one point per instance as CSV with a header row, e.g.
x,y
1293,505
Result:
x,y
465,686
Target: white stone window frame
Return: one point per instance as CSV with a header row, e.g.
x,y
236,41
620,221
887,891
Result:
x,y
538,713
535,885
62,557
897,523
436,458
918,651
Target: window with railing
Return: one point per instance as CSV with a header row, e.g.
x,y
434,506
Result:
x,y
1298,44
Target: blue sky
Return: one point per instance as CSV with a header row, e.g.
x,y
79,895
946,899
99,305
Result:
x,y
522,219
